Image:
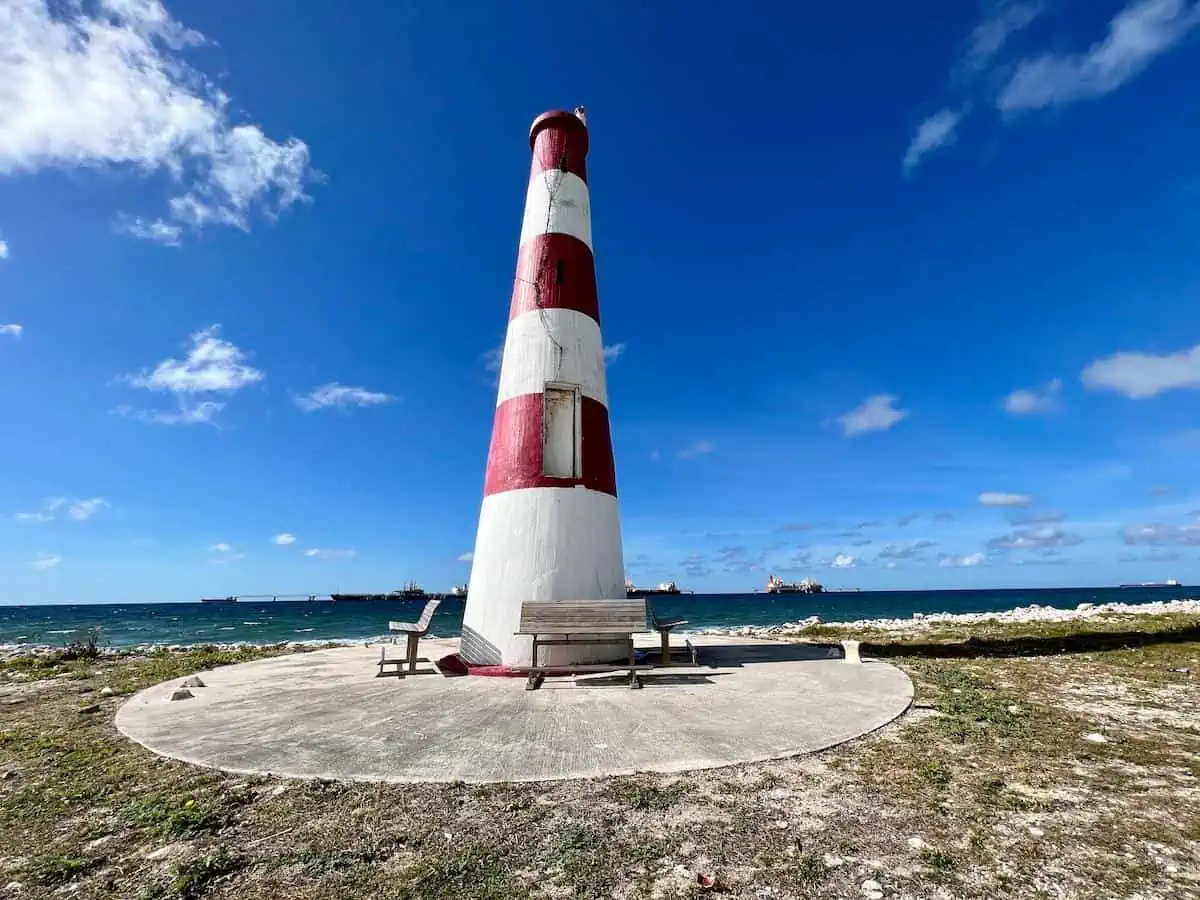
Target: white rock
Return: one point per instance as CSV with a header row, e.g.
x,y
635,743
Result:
x,y
1036,832
832,860
106,691
13,886
1095,738
916,843
872,889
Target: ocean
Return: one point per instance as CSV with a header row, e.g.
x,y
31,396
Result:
x,y
255,622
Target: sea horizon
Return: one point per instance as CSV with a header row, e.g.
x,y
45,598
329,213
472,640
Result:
x,y
258,621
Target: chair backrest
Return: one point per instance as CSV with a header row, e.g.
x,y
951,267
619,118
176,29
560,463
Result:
x,y
584,617
427,613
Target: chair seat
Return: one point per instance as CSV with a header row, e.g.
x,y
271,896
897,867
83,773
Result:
x,y
668,624
403,626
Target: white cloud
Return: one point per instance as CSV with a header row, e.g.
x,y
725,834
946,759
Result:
x,y
700,448
936,131
1136,36
334,394
1034,539
466,557
906,550
3,249
81,510
222,547
990,35
223,553
844,561
12,329
612,351
77,510
285,539
1034,400
962,562
1142,375
107,85
45,561
212,366
1161,535
158,231
876,413
997,498
329,553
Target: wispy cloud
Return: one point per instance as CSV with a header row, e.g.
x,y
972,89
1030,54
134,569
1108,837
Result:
x,y
223,552
905,550
998,498
12,330
612,351
844,561
1034,539
969,561
44,561
469,556
1044,518
3,249
1142,375
213,366
876,413
1162,535
284,539
1136,37
105,85
76,510
81,510
340,395
936,131
699,448
1028,401
329,553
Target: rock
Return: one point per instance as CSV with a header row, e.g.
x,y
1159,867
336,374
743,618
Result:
x,y
1036,832
106,691
832,860
182,694
90,708
192,682
8,776
1095,738
1084,606
916,843
13,887
872,889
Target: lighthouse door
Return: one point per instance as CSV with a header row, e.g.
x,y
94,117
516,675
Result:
x,y
559,444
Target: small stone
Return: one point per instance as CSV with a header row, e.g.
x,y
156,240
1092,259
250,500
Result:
x,y
1036,832
90,708
916,843
8,776
192,682
872,889
181,694
13,887
1095,738
832,860
106,692
1013,708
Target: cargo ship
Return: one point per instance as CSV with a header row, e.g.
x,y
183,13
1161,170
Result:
x,y
1170,582
410,591
665,587
807,586
218,599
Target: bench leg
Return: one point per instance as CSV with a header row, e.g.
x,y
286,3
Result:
x,y
535,680
412,653
666,647
635,683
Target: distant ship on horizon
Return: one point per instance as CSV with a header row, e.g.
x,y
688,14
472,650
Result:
x,y
665,587
777,585
1170,582
410,591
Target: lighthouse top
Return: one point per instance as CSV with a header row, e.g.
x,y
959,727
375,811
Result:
x,y
574,123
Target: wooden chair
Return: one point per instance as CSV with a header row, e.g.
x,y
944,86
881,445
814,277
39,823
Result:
x,y
663,627
414,631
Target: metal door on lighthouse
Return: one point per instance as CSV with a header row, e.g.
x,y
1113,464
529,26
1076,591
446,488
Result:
x,y
560,433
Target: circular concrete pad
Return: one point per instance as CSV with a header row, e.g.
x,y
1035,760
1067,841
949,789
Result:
x,y
326,715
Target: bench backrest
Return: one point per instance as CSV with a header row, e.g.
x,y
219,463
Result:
x,y
427,613
584,617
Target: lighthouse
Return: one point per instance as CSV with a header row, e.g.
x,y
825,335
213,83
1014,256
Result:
x,y
548,526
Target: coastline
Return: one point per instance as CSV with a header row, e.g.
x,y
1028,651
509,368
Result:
x,y
810,627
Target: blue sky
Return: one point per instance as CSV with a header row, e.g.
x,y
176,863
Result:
x,y
893,301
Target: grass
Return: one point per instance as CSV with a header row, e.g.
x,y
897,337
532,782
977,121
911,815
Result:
x,y
991,772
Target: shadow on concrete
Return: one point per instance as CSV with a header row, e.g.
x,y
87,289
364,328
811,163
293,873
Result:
x,y
650,679
732,656
1084,642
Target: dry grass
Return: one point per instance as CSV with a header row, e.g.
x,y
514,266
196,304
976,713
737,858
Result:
x,y
987,788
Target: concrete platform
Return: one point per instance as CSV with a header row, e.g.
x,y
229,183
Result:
x,y
326,715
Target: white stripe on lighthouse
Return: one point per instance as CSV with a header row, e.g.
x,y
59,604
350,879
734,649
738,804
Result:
x,y
552,345
557,203
543,544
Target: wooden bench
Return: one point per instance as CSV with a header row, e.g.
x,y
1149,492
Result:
x,y
664,627
599,622
414,632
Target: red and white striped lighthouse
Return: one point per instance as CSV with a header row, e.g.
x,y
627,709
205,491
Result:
x,y
548,528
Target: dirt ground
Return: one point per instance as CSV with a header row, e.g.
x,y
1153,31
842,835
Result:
x,y
1058,764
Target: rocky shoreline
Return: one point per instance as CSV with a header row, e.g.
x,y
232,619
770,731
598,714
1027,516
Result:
x,y
925,622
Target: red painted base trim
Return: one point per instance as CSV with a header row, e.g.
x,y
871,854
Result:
x,y
455,665
555,271
515,456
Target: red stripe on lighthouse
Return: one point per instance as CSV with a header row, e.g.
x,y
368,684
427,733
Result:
x,y
515,458
555,271
559,141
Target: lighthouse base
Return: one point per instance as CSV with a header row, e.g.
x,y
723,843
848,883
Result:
x,y
541,544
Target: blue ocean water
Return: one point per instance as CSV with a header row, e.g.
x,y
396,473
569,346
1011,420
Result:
x,y
124,625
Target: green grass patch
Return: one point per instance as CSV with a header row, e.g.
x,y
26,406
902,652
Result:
x,y
193,878
639,795
55,869
175,817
